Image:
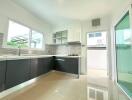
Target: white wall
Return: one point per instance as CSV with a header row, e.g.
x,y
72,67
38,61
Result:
x,y
87,27
66,24
118,14
10,10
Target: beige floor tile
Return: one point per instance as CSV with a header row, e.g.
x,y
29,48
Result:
x,y
54,86
61,86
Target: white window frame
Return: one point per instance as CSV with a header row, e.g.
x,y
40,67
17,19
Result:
x,y
30,34
115,78
43,42
100,31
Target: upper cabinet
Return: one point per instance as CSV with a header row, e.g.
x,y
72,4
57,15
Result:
x,y
66,34
60,37
74,33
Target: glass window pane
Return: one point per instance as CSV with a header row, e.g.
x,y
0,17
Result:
x,y
91,35
58,35
64,34
64,40
99,40
124,54
98,34
18,35
58,41
54,35
36,40
54,40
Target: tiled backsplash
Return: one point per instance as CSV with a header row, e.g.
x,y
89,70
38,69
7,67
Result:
x,y
49,50
64,49
11,51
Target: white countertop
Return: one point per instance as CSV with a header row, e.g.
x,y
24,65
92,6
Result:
x,y
67,56
15,57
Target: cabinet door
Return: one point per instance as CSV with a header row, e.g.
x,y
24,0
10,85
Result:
x,y
44,65
33,68
72,65
18,71
69,65
48,64
2,74
74,33
60,64
40,67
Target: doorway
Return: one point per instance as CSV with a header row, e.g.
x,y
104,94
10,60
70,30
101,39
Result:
x,y
97,54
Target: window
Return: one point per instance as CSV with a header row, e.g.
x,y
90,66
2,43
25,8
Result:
x,y
20,36
36,40
91,35
98,34
96,39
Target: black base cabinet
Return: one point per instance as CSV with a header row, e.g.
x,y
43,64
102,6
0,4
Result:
x,y
17,72
40,66
48,64
14,72
33,68
72,65
2,75
44,65
69,65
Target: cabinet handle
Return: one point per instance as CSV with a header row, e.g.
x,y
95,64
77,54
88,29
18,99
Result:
x,y
60,59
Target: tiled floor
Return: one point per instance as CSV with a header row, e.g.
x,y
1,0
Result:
x,y
60,86
101,87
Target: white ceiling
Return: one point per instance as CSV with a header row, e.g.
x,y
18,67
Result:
x,y
54,10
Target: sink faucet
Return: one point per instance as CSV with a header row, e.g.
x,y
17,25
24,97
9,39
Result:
x,y
19,51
